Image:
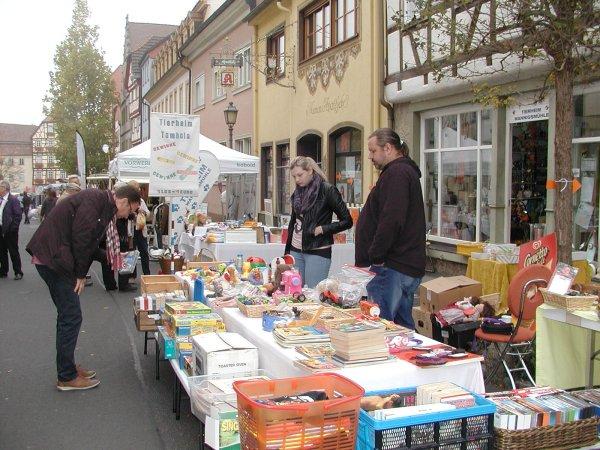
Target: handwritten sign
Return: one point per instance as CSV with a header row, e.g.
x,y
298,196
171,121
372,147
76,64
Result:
x,y
174,155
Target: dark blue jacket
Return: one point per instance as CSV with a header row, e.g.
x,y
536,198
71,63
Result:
x,y
11,216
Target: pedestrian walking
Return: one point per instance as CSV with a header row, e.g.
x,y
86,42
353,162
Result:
x,y
63,248
311,229
10,219
140,234
390,233
26,205
48,203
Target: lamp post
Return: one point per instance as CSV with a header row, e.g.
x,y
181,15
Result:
x,y
230,119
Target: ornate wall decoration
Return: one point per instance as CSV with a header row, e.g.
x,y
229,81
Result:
x,y
334,63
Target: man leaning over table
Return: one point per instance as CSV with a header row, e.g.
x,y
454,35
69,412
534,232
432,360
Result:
x,y
63,248
390,233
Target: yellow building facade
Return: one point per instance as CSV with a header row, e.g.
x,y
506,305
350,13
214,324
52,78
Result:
x,y
317,92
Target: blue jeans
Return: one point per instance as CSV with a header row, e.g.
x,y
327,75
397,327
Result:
x,y
68,321
312,268
394,292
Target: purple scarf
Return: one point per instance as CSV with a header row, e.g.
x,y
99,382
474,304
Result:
x,y
304,198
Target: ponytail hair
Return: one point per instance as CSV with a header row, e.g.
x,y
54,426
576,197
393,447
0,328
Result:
x,y
307,163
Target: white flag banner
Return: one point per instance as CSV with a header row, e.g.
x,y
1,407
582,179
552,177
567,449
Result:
x,y
80,158
208,173
174,155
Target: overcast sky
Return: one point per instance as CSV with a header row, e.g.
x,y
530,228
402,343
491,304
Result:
x,y
30,30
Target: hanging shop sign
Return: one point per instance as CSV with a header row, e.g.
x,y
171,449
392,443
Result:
x,y
543,251
174,155
529,112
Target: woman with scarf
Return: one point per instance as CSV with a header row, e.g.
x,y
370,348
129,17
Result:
x,y
311,229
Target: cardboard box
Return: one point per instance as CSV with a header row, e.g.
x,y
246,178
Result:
x,y
216,353
160,283
142,320
440,292
422,320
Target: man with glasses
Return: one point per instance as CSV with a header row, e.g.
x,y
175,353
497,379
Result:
x,y
63,248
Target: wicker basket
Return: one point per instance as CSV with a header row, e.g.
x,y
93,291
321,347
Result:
x,y
254,311
570,302
329,317
564,436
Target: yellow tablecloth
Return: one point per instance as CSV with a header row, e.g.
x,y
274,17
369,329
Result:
x,y
495,276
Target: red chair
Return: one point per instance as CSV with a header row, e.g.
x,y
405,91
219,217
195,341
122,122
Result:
x,y
523,300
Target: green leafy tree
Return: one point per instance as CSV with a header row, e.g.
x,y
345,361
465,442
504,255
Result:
x,y
81,95
561,36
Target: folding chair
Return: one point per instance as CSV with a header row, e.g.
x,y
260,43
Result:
x,y
523,300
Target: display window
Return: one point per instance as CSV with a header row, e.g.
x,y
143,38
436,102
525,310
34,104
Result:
x,y
347,163
456,165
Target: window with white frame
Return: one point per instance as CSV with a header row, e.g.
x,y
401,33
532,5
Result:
x,y
199,91
51,158
456,148
244,145
244,74
218,90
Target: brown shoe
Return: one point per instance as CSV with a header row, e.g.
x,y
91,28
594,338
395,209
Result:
x,y
84,373
78,384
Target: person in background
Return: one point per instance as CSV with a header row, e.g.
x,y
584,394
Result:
x,y
311,229
73,187
63,248
48,203
140,234
390,233
26,205
10,219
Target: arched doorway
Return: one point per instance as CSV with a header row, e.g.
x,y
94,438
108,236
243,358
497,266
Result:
x,y
310,145
345,162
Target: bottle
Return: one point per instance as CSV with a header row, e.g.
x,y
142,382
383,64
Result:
x,y
239,261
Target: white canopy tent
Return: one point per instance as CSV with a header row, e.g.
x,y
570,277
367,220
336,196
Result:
x,y
134,164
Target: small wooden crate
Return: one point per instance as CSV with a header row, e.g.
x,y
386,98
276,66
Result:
x,y
254,311
160,283
570,302
329,318
202,264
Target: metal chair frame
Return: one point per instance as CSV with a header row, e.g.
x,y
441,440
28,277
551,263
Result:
x,y
519,349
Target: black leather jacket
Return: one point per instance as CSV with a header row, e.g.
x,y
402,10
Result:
x,y
329,201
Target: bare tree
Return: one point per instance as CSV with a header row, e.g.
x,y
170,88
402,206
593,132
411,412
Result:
x,y
473,39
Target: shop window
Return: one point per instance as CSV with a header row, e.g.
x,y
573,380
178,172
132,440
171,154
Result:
x,y
266,169
347,163
283,179
456,163
586,115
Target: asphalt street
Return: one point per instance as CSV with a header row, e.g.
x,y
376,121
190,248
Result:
x,y
129,410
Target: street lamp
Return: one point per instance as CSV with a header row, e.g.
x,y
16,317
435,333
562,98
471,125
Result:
x,y
230,118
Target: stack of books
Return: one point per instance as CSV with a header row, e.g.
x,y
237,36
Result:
x,y
359,343
540,406
444,392
293,336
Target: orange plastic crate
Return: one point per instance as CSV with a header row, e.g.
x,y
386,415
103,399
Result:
x,y
328,424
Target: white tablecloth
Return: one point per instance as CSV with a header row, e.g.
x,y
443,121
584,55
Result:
x,y
341,253
279,362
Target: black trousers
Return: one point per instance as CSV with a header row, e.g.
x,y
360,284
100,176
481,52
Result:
x,y
141,244
9,244
26,214
68,321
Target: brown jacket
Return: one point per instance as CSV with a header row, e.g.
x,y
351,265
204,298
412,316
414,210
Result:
x,y
68,239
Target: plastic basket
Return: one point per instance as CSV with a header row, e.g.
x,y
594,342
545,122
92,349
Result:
x,y
463,428
328,424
